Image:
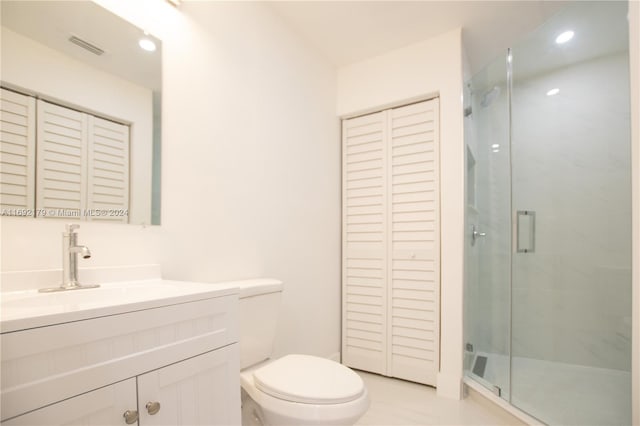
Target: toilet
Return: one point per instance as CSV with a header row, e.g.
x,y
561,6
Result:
x,y
295,389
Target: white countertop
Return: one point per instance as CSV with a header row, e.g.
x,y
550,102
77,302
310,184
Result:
x,y
26,309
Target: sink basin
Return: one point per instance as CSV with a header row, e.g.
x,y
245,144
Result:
x,y
28,309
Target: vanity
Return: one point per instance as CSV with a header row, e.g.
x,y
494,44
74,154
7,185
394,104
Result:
x,y
146,352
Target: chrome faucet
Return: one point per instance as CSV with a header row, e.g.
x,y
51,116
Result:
x,y
70,251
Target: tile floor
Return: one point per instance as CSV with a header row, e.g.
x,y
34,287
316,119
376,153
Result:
x,y
397,402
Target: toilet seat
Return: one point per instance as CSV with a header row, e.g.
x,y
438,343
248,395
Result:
x,y
308,380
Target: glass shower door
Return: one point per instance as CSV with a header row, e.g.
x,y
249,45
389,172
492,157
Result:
x,y
571,217
487,229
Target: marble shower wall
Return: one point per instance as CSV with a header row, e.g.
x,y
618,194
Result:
x,y
571,165
571,156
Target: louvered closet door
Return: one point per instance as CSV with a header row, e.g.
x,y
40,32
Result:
x,y
108,170
414,258
391,242
61,161
17,152
364,243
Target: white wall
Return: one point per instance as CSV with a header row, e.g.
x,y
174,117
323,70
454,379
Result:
x,y
251,159
36,244
52,75
251,168
424,69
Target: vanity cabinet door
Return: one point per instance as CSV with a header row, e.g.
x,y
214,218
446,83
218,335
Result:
x,y
203,390
104,406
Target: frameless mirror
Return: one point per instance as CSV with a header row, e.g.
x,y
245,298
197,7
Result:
x,y
80,117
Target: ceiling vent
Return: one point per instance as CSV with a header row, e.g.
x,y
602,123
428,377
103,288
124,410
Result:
x,y
86,45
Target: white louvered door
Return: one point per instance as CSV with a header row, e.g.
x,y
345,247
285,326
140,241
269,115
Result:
x,y
17,153
414,246
391,244
59,162
108,170
62,158
364,235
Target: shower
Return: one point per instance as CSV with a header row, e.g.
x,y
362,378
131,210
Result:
x,y
487,98
547,311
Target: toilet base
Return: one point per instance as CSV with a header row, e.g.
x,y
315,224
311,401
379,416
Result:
x,y
251,412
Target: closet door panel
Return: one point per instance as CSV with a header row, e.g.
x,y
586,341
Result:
x,y
61,161
108,171
413,250
364,242
17,152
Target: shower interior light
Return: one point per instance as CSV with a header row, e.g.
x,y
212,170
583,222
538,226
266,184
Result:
x,y
553,91
147,44
564,37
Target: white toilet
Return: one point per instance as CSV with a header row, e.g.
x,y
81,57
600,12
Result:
x,y
295,389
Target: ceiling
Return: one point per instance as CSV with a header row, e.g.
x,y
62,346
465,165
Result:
x,y
343,31
51,23
349,31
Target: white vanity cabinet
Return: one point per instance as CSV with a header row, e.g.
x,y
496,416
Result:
x,y
179,357
197,391
104,406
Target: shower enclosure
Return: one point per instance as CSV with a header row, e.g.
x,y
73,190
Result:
x,y
548,241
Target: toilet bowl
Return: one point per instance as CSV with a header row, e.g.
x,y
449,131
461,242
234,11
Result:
x,y
294,389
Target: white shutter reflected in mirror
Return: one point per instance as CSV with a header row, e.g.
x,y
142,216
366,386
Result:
x,y
391,243
17,153
108,170
61,161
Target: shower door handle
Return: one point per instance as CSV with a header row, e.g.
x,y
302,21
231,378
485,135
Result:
x,y
475,234
525,234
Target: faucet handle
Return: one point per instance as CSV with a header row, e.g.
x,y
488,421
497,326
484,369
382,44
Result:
x,y
71,227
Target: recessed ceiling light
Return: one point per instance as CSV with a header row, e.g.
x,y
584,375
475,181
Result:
x,y
553,91
147,44
495,145
564,37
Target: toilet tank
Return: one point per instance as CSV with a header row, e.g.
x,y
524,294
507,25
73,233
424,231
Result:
x,y
259,311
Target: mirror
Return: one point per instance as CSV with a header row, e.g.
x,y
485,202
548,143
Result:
x,y
68,60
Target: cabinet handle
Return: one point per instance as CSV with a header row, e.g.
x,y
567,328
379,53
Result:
x,y
153,407
130,416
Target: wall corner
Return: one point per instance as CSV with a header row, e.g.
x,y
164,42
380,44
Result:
x,y
449,386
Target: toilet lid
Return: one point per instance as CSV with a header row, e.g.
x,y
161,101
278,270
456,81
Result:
x,y
308,379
